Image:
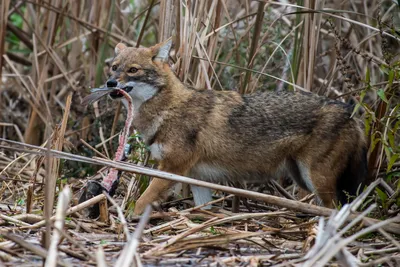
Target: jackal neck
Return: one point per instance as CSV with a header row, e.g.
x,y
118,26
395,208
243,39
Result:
x,y
168,98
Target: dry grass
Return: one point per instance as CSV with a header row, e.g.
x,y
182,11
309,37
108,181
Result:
x,y
53,51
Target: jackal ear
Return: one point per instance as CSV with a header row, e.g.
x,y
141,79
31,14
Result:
x,y
161,50
119,47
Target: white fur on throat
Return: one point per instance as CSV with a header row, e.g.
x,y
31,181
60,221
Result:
x,y
140,93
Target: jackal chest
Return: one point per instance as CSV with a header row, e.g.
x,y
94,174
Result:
x,y
147,128
157,151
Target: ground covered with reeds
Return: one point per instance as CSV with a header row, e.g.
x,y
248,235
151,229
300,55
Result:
x,y
54,51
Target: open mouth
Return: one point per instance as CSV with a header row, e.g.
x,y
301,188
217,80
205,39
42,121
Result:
x,y
117,93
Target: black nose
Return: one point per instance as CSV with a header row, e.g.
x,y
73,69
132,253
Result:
x,y
112,83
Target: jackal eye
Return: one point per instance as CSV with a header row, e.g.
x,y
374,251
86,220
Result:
x,y
133,70
114,67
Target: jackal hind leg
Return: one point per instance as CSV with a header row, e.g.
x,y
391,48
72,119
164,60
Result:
x,y
320,181
201,196
325,187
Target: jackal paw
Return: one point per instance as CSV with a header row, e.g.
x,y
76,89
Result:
x,y
140,206
142,203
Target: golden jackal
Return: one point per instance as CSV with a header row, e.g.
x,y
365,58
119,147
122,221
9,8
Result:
x,y
224,136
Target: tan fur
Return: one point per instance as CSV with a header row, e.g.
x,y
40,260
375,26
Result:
x,y
223,136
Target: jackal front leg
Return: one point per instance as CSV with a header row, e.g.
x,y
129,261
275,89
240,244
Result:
x,y
156,191
158,188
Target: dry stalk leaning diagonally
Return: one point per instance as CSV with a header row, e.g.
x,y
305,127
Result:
x,y
35,249
129,254
70,211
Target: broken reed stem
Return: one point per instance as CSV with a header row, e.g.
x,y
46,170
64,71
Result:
x,y
62,206
120,216
70,211
39,251
129,167
208,203
129,251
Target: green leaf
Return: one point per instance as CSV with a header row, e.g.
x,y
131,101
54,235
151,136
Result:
x,y
381,94
382,196
374,142
396,174
392,161
390,136
362,95
391,77
213,231
388,152
367,123
16,20
355,109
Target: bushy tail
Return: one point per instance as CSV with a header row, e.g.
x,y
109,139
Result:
x,y
354,175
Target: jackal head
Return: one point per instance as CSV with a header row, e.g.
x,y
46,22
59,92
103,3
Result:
x,y
139,71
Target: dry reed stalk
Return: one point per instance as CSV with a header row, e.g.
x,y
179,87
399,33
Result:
x,y
278,47
120,216
52,170
166,22
128,254
62,205
100,258
71,210
17,130
13,220
4,8
34,104
254,45
93,149
297,87
163,248
36,250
